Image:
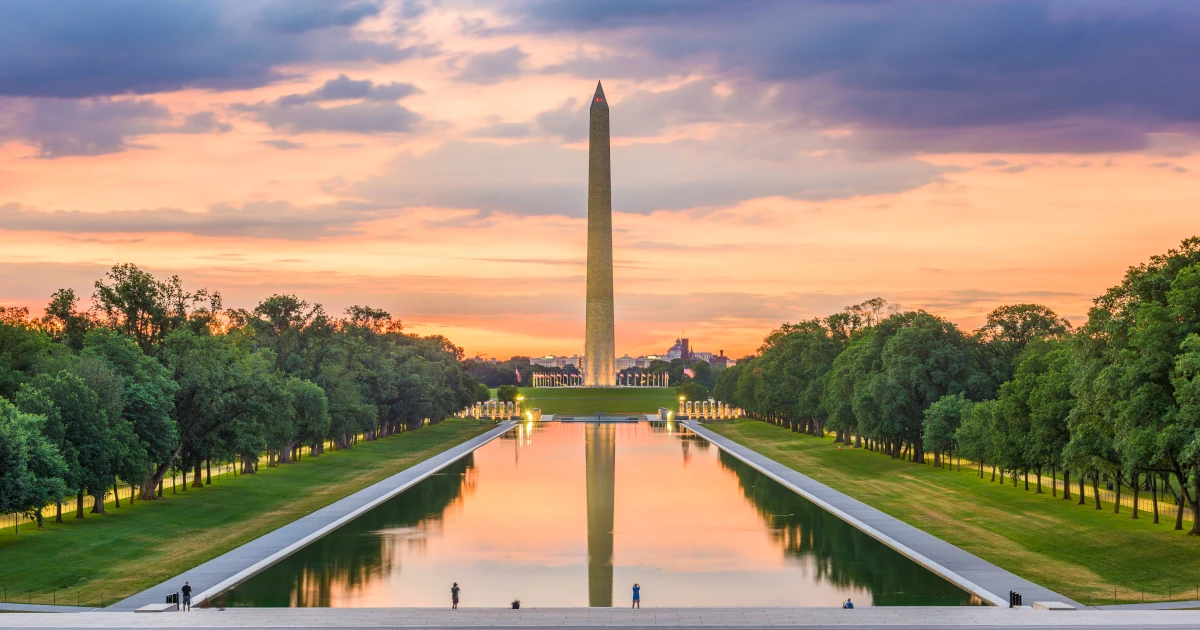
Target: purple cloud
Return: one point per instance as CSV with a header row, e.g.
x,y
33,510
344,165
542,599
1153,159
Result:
x,y
956,75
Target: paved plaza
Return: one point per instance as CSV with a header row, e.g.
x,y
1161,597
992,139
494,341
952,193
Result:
x,y
975,575
905,617
226,570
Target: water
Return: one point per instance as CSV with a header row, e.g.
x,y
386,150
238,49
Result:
x,y
572,514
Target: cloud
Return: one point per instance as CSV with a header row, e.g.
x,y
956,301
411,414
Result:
x,y
942,74
647,113
492,67
533,178
82,48
62,127
345,88
503,130
269,220
284,145
374,112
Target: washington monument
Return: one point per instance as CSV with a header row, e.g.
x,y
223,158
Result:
x,y
599,346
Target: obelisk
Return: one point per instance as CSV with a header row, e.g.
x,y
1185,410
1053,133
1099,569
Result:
x,y
599,346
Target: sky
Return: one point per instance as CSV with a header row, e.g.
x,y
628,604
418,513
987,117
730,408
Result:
x,y
773,160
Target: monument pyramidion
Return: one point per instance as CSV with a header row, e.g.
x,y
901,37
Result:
x,y
599,347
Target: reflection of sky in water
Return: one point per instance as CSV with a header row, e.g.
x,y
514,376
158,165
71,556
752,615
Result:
x,y
516,520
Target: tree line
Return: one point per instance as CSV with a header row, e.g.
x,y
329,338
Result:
x,y
152,379
1116,399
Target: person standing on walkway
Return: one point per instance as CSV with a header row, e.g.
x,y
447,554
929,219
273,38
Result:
x,y
187,595
637,595
454,596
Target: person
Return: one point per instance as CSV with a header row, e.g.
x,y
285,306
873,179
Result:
x,y
187,596
454,596
849,605
637,595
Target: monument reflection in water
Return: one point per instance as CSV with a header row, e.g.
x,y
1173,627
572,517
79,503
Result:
x,y
573,514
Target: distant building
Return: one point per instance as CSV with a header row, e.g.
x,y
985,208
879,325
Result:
x,y
680,350
552,361
707,357
721,361
626,362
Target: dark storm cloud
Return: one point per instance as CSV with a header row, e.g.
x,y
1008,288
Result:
x,y
492,67
83,48
374,112
951,75
62,127
280,220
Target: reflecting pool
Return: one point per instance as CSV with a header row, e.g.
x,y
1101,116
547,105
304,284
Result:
x,y
573,514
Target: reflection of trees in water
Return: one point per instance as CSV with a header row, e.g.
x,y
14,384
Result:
x,y
350,558
839,553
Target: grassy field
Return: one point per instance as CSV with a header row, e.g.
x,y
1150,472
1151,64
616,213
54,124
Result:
x,y
1076,550
128,550
579,400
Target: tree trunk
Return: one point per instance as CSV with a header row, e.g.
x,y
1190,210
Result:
x,y
197,482
208,471
994,473
1195,504
79,504
38,515
1133,483
1026,480
1066,484
98,503
1082,496
1179,513
1039,481
1154,496
58,512
183,471
116,494
1117,488
1096,488
1053,481
156,478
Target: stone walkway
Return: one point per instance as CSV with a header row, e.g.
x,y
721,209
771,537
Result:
x,y
42,608
868,617
973,574
225,571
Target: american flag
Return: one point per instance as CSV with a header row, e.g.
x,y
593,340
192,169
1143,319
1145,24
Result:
x,y
689,372
518,374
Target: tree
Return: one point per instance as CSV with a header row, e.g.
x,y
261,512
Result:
x,y
1128,410
77,424
137,304
147,395
67,324
692,391
507,393
21,346
942,420
974,435
31,469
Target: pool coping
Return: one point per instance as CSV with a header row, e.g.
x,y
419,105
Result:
x,y
919,546
253,557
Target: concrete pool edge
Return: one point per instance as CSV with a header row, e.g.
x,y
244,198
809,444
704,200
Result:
x,y
911,542
239,564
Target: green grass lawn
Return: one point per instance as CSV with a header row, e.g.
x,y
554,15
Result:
x,y
130,549
1073,549
585,401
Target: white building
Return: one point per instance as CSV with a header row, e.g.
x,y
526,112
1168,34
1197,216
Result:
x,y
552,361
